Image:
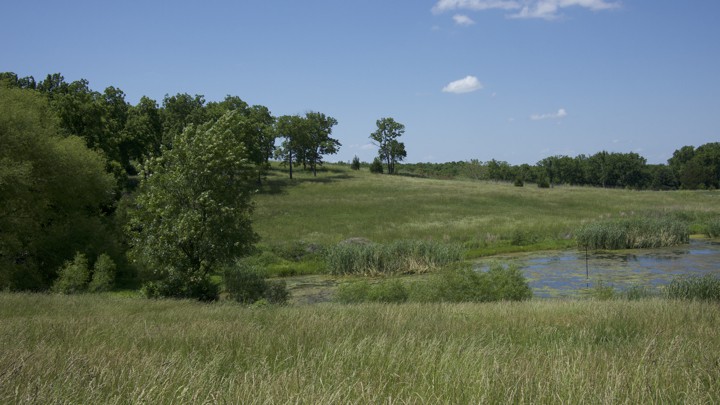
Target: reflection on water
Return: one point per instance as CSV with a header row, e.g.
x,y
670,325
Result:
x,y
562,274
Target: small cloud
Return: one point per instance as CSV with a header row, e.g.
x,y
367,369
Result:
x,y
493,95
543,9
476,5
464,20
368,146
466,85
561,113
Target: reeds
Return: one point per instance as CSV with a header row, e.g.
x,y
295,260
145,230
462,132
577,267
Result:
x,y
704,288
712,229
401,257
633,233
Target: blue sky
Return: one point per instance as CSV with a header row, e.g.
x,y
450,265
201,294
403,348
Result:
x,y
514,80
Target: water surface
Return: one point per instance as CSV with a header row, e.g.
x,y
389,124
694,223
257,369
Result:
x,y
563,274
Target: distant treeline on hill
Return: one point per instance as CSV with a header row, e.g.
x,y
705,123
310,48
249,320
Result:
x,y
690,168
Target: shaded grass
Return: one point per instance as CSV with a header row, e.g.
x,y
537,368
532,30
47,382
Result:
x,y
97,349
487,218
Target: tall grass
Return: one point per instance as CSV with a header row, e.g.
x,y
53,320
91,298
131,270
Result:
x,y
705,287
713,228
633,233
102,350
400,257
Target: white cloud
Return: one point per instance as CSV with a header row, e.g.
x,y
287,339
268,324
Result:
x,y
561,113
476,5
463,20
466,85
544,9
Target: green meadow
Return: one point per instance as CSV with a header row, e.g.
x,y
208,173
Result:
x,y
485,217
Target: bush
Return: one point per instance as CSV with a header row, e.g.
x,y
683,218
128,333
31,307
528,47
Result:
x,y
103,276
395,258
247,285
713,228
73,276
183,286
706,288
519,182
633,233
543,183
355,165
499,283
387,291
376,166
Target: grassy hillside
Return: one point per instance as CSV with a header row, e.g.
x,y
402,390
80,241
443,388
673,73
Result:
x,y
98,349
489,217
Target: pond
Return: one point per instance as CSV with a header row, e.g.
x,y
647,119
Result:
x,y
563,274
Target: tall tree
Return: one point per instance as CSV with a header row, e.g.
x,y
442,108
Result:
x,y
193,211
293,129
179,111
318,140
391,151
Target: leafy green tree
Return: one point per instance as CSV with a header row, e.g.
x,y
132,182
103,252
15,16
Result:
x,y
318,141
391,151
142,136
193,210
52,189
178,112
294,129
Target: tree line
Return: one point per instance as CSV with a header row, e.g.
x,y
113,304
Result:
x,y
689,168
160,188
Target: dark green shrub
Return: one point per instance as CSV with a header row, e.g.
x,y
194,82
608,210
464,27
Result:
x,y
277,292
464,284
386,291
73,277
543,183
391,291
247,285
521,237
602,291
355,165
103,277
376,166
351,293
182,286
706,288
519,182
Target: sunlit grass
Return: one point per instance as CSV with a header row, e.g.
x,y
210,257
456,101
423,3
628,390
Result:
x,y
100,349
341,204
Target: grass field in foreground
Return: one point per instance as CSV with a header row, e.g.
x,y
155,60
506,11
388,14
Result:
x,y
101,349
488,217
